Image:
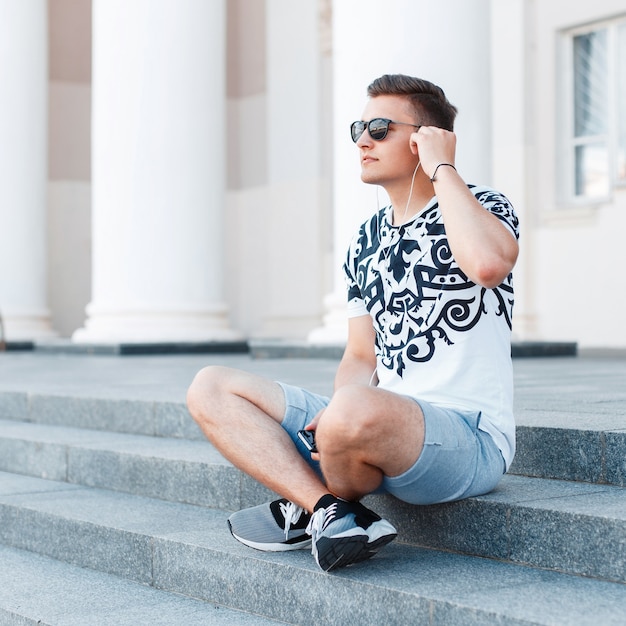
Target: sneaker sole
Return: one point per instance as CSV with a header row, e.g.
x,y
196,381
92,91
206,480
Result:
x,y
273,547
333,552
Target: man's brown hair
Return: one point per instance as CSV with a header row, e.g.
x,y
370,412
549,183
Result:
x,y
429,101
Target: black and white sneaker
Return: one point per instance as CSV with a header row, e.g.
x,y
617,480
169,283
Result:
x,y
346,532
273,527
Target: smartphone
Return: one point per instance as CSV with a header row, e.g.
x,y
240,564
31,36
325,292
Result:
x,y
307,437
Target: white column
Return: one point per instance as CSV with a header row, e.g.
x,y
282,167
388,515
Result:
x,y
158,172
446,42
23,163
293,161
512,151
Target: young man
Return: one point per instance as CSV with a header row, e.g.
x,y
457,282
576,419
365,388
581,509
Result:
x,y
422,402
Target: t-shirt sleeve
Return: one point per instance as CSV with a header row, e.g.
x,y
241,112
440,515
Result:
x,y
501,207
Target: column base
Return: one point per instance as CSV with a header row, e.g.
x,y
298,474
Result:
x,y
22,327
335,328
167,327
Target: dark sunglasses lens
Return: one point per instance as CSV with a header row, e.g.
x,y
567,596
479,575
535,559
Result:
x,y
356,130
378,128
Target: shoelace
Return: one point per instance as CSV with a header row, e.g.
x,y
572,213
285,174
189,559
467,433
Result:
x,y
318,522
291,512
315,528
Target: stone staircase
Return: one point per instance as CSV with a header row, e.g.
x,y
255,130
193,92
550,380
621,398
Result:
x,y
113,511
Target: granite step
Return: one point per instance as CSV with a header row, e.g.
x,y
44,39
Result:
x,y
551,442
571,419
589,449
92,412
187,550
36,590
180,470
559,525
570,526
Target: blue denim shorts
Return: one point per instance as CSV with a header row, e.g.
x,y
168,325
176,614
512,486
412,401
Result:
x,y
458,459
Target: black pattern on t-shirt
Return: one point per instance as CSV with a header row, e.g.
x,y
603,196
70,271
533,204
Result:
x,y
413,288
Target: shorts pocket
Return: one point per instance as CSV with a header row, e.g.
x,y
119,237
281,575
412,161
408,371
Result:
x,y
472,419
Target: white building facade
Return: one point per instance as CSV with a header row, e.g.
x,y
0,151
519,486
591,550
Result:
x,y
181,170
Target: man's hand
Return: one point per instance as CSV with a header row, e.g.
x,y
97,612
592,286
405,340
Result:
x,y
483,247
434,146
312,425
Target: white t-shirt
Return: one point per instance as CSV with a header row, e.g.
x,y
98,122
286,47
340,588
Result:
x,y
439,336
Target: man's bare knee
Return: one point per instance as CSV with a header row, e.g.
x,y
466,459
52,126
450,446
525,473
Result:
x,y
354,405
347,419
222,393
206,390
359,417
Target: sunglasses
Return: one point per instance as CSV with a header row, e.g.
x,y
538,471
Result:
x,y
377,128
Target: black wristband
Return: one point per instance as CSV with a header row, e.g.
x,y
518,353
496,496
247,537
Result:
x,y
432,178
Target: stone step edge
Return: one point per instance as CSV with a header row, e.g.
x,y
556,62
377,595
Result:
x,y
208,564
564,527
60,440
591,456
566,454
157,418
38,590
172,469
178,470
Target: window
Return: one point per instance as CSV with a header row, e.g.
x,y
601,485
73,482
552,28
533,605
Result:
x,y
596,133
621,102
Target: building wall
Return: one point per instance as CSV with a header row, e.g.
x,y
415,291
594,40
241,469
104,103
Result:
x,y
279,257
578,253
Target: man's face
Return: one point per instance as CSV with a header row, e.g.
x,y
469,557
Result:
x,y
390,160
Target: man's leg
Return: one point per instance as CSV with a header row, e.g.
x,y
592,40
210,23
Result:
x,y
363,434
366,433
241,414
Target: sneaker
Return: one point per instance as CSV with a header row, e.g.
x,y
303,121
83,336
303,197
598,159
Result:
x,y
346,532
273,527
